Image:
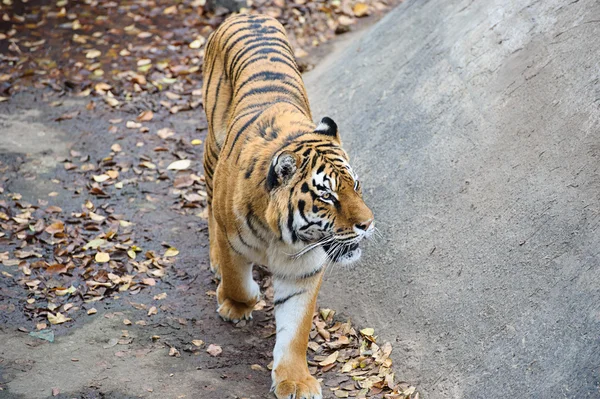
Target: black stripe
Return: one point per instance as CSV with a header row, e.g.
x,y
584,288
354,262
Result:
x,y
250,169
310,274
265,76
281,301
214,108
243,128
262,54
267,46
253,229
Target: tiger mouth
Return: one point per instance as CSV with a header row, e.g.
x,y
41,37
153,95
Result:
x,y
338,252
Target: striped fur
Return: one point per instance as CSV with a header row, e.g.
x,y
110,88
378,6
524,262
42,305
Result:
x,y
280,190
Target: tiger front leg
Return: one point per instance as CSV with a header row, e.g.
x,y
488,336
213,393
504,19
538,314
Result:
x,y
237,292
294,307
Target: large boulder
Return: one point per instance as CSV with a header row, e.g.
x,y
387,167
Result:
x,y
475,127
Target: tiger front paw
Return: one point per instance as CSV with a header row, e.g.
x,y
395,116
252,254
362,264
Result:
x,y
234,311
301,387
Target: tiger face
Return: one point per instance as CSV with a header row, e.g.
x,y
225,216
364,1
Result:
x,y
313,184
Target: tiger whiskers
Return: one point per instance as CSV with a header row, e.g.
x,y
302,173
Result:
x,y
310,247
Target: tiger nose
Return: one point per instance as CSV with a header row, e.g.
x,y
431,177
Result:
x,y
364,225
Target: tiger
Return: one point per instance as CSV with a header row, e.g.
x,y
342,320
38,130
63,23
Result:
x,y
280,189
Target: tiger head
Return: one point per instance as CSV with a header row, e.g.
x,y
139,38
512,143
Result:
x,y
318,197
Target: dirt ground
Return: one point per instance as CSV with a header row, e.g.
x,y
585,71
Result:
x,y
81,362
75,171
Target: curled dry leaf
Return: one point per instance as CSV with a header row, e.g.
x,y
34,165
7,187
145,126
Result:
x,y
59,318
145,116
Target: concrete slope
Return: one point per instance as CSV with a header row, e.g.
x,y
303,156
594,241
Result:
x,y
475,127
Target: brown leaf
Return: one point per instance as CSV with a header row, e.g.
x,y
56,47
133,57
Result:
x,y
56,268
145,116
56,227
68,115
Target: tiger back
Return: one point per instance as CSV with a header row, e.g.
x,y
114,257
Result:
x,y
281,191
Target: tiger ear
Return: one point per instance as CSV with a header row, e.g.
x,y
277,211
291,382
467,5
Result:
x,y
283,167
327,127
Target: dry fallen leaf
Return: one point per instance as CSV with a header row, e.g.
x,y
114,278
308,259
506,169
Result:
x,y
101,178
361,10
102,257
214,350
182,164
145,116
165,133
160,296
153,310
330,359
171,252
59,318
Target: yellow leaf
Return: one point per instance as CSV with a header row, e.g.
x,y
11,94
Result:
x,y
196,142
58,319
171,252
361,10
148,165
368,332
196,44
102,257
113,102
93,53
131,253
170,10
70,290
113,174
182,164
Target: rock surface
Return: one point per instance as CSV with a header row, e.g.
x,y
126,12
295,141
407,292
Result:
x,y
475,127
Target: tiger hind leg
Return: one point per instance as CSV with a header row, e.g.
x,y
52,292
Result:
x,y
237,293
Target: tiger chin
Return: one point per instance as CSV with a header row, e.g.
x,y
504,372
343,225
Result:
x,y
281,191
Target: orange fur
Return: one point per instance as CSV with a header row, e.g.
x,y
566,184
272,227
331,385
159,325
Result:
x,y
276,185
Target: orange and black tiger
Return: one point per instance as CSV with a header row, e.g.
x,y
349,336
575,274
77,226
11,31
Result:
x,y
281,192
